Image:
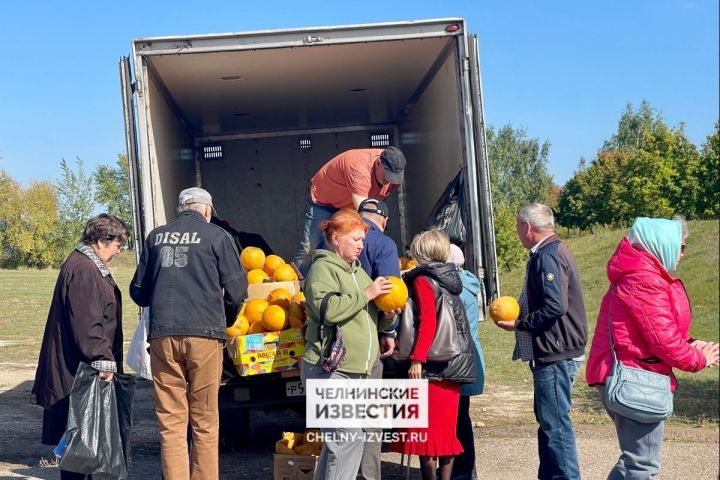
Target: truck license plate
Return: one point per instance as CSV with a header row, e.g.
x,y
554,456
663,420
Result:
x,y
294,389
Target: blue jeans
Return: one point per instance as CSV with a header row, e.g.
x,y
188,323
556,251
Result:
x,y
556,438
312,236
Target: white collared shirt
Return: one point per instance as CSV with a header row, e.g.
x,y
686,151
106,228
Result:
x,y
539,244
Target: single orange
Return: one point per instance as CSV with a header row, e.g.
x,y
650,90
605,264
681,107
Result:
x,y
252,258
274,318
298,297
240,327
280,297
296,311
395,298
256,327
257,276
284,273
272,262
409,264
295,323
505,309
254,309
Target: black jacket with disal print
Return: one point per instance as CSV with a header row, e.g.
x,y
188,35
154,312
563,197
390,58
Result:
x,y
189,273
556,310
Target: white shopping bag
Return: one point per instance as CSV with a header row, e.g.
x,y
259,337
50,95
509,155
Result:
x,y
138,357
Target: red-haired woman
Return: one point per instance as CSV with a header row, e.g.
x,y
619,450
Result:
x,y
337,275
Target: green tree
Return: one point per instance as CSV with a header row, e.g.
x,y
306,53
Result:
x,y
645,169
631,127
518,166
510,251
28,218
112,188
518,175
75,203
709,176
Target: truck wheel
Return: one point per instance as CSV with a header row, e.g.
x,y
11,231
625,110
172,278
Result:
x,y
234,428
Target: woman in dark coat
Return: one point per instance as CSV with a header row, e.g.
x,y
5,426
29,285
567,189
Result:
x,y
84,324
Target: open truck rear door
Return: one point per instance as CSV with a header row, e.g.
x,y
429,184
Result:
x,y
481,222
131,145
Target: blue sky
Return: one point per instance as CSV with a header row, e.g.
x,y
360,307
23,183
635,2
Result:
x,y
563,70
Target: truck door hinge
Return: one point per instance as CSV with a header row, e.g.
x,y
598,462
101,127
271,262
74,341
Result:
x,y
466,64
313,39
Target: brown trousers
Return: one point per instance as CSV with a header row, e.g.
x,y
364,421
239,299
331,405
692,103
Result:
x,y
186,373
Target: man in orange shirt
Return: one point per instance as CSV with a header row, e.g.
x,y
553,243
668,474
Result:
x,y
344,182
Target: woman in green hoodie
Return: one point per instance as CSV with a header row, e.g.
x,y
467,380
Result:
x,y
337,274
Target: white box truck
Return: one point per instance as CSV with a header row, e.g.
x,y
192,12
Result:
x,y
252,116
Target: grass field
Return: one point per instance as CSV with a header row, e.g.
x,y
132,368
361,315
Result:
x,y
25,297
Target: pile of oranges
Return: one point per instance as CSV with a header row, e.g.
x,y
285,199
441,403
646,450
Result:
x,y
280,310
261,268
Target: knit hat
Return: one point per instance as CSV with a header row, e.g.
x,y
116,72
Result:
x,y
456,255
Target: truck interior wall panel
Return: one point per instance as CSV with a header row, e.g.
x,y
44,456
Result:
x,y
261,185
431,140
167,140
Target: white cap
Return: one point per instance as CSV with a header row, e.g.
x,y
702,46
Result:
x,y
195,195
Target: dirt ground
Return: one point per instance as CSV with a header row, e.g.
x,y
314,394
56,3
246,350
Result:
x,y
505,440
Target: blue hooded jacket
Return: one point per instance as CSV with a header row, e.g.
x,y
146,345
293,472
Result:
x,y
469,297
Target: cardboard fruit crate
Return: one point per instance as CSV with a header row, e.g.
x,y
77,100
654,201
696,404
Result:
x,y
267,352
294,467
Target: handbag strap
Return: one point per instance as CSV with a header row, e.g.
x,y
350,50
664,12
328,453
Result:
x,y
323,312
612,343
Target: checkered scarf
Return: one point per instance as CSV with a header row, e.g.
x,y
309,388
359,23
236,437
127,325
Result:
x,y
90,253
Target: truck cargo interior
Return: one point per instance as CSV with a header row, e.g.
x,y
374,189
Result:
x,y
253,126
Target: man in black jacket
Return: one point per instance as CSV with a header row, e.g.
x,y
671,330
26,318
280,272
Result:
x,y
551,333
189,272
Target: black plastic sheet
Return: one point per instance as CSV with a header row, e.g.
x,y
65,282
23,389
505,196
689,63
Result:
x,y
447,215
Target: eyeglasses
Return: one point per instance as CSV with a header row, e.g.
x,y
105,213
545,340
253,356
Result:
x,y
683,246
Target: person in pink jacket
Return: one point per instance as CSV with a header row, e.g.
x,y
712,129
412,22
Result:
x,y
651,317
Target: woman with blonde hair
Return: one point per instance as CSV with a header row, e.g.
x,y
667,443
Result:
x,y
434,282
337,280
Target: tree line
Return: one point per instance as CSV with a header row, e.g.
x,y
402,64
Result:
x,y
644,169
42,223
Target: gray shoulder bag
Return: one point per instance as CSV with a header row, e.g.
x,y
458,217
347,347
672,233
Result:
x,y
637,394
445,346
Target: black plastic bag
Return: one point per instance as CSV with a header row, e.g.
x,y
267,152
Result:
x,y
99,424
447,215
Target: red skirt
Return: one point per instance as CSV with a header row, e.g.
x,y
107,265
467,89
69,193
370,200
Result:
x,y
439,439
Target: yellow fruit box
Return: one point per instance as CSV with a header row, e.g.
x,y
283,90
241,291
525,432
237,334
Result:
x,y
294,467
261,290
267,352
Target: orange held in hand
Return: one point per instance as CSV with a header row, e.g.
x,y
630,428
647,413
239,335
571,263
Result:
x,y
395,298
504,309
252,258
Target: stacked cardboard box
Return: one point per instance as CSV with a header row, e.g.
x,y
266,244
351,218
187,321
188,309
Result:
x,y
267,352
